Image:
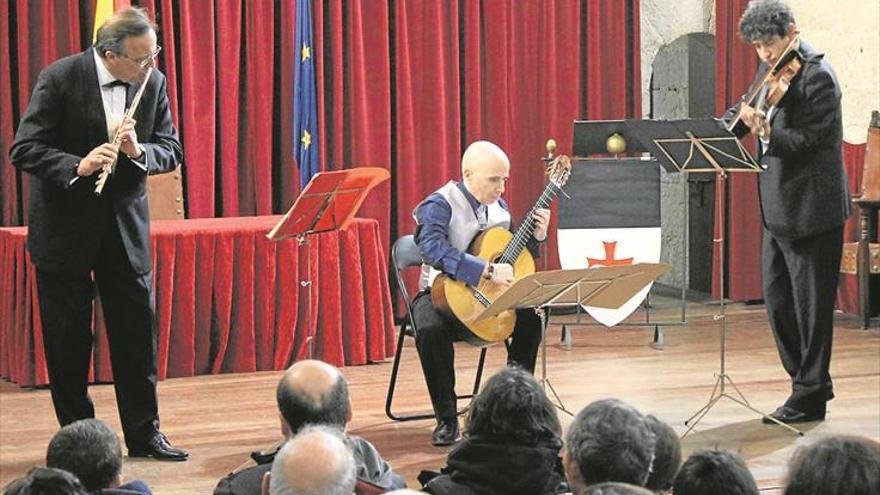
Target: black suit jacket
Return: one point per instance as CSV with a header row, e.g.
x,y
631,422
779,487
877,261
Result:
x,y
804,189
63,122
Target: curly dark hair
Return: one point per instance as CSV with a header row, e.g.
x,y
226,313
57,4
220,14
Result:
x,y
764,19
610,441
513,408
835,465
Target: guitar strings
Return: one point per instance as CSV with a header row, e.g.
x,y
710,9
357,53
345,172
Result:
x,y
524,233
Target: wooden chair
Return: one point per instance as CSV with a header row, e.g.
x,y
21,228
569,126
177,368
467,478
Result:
x,y
862,258
165,195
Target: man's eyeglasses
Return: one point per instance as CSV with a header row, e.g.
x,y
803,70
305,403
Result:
x,y
144,62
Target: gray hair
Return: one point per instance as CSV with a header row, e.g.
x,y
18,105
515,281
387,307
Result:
x,y
89,449
317,461
130,22
764,19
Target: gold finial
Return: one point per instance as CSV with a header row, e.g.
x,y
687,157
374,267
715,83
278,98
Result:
x,y
615,144
551,147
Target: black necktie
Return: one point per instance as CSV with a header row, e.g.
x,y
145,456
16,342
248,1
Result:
x,y
113,84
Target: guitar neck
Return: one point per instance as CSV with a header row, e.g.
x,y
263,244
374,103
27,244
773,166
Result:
x,y
527,228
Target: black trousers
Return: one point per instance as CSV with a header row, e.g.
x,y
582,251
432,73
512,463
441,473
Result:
x,y
66,311
800,287
435,336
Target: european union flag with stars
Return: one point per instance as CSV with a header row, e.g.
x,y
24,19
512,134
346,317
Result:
x,y
305,97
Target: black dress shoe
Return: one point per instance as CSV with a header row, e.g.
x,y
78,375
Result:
x,y
158,448
787,415
446,433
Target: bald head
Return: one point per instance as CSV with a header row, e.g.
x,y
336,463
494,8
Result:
x,y
484,171
313,392
315,462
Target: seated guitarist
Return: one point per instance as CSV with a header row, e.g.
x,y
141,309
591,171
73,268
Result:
x,y
448,219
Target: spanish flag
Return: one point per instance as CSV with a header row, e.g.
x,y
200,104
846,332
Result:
x,y
103,10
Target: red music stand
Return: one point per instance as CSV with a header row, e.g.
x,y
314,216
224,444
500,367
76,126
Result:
x,y
328,203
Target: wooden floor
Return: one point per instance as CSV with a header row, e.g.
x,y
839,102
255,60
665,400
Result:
x,y
220,419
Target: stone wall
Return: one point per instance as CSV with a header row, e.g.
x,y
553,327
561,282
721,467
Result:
x,y
664,21
848,32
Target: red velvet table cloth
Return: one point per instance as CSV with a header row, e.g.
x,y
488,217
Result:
x,y
228,300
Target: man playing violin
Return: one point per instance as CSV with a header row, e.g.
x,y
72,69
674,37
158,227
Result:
x,y
804,199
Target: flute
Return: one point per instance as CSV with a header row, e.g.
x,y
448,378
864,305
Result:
x,y
107,169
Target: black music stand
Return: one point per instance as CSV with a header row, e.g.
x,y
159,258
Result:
x,y
604,287
328,203
704,145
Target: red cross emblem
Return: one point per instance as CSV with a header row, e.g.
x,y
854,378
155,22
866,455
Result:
x,y
609,260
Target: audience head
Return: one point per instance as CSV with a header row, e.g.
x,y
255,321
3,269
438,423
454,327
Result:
x,y
484,171
615,488
513,408
46,481
89,449
609,440
667,456
316,461
835,465
313,392
714,472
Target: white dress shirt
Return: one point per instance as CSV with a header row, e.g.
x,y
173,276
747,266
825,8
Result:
x,y
113,99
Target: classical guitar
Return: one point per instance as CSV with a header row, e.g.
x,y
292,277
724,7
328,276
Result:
x,y
462,302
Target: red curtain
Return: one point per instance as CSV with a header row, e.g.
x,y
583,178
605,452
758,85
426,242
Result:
x,y
9,206
516,73
735,66
404,85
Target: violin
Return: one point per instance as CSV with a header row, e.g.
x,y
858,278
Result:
x,y
777,80
778,84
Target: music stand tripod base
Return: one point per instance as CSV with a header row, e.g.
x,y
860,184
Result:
x,y
719,392
545,381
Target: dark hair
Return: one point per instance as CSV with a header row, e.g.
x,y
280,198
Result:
x,y
835,465
667,455
89,449
714,472
513,408
127,23
616,488
764,19
610,441
46,481
331,408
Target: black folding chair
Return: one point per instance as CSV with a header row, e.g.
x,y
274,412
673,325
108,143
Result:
x,y
404,255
